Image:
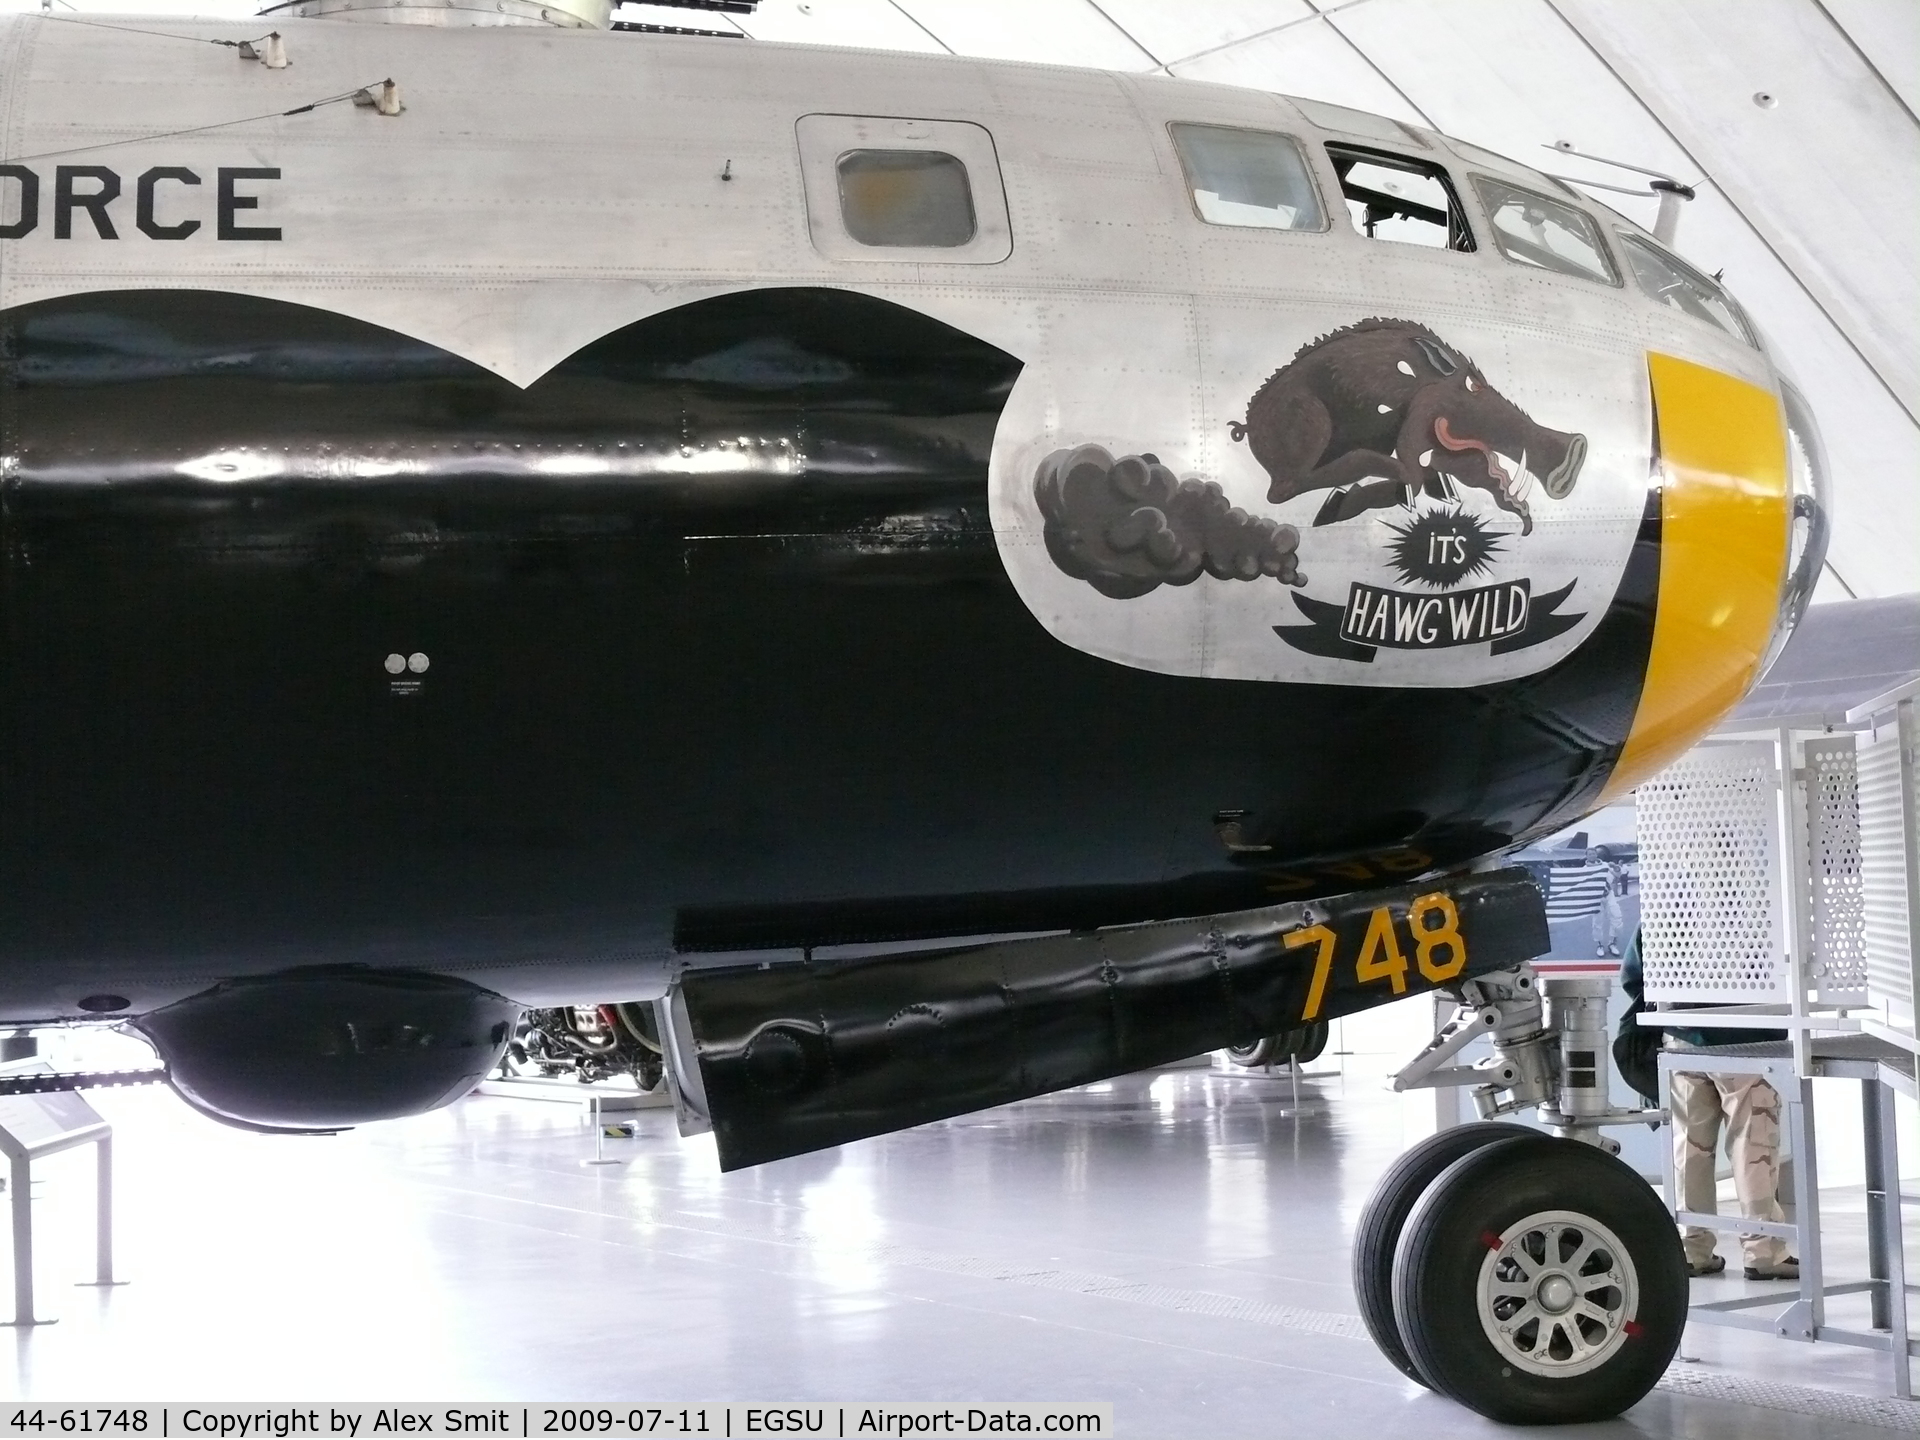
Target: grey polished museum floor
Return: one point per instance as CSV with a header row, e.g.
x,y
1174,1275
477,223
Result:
x,y
1176,1245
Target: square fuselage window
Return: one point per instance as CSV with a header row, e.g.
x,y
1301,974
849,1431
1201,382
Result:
x,y
1250,178
905,198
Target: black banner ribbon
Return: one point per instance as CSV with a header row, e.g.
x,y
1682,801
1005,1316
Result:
x,y
1507,614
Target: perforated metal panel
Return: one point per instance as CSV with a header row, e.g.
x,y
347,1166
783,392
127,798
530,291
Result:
x,y
1888,805
1834,898
1709,877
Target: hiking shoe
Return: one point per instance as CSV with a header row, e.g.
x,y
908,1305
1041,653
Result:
x,y
1787,1269
1712,1265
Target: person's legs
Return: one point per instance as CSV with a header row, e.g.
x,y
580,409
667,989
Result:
x,y
1753,1144
1696,1131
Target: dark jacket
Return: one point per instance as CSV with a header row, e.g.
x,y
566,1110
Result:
x,y
1632,983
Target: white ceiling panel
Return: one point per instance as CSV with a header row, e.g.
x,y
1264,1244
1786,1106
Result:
x,y
869,24
1176,32
1825,174
1054,32
1311,60
1888,34
1461,64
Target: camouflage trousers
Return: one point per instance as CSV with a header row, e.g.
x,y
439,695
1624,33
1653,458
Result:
x,y
1751,1109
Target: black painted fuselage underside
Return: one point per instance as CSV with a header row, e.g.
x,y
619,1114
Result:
x,y
717,644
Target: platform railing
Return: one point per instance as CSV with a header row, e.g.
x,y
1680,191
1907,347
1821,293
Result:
x,y
1780,890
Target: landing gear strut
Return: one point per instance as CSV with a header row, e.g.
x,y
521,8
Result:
x,y
1534,1280
590,1042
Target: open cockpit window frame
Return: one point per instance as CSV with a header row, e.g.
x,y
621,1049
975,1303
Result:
x,y
1308,217
1380,206
1362,124
835,147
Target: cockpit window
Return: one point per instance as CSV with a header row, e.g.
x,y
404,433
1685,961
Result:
x,y
1394,197
1673,282
1248,177
905,198
1532,230
1494,160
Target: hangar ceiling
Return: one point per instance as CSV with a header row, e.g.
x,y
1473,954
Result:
x,y
1805,195
1795,119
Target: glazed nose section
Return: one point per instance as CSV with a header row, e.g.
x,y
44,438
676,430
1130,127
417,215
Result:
x,y
1812,505
1559,484
1724,527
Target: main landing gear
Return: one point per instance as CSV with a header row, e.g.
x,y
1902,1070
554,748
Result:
x,y
590,1042
1300,1046
1530,1276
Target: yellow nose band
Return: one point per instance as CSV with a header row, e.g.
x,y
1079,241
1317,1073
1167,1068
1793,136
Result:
x,y
1722,448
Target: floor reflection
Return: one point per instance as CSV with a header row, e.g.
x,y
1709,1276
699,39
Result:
x,y
1174,1242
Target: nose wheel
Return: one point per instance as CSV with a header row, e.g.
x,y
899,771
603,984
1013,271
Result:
x,y
1535,1280
1377,1237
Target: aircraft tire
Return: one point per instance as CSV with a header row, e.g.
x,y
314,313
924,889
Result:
x,y
1377,1236
1540,1283
1310,1041
1303,1044
1252,1057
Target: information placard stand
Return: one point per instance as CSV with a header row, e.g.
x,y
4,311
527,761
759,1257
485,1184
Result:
x,y
34,1126
597,1118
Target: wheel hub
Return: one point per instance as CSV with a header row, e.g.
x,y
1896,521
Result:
x,y
1557,1294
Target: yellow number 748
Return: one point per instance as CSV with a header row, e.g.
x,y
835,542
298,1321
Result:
x,y
1435,925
